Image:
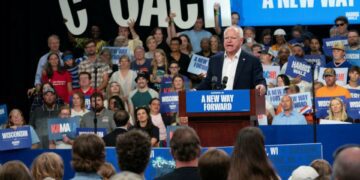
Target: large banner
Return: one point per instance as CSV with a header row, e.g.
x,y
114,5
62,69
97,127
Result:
x,y
19,138
287,12
297,67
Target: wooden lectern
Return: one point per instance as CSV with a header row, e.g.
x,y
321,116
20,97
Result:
x,y
221,129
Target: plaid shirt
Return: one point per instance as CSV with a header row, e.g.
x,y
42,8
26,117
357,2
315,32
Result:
x,y
103,69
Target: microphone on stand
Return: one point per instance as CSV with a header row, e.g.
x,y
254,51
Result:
x,y
224,82
214,80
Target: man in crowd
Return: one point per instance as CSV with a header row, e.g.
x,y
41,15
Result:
x,y
141,64
39,118
354,75
85,84
185,149
121,119
353,40
104,117
133,152
331,89
341,24
347,164
288,116
339,61
91,64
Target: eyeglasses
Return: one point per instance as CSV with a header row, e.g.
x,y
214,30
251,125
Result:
x,y
341,24
173,67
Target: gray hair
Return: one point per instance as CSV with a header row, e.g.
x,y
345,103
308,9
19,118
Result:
x,y
237,29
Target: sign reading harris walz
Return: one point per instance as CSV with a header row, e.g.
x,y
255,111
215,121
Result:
x,y
218,101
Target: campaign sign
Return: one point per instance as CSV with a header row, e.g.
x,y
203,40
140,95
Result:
x,y
355,93
101,132
353,57
288,157
198,64
116,53
302,102
319,60
273,95
218,101
354,108
58,127
295,68
169,133
328,43
270,73
286,12
169,102
322,106
3,113
15,139
341,76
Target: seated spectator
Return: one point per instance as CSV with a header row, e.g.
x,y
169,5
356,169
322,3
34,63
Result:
x,y
214,164
66,142
106,57
85,84
249,159
72,67
151,45
266,39
114,89
61,79
353,40
256,50
106,171
143,122
215,44
341,24
48,165
354,75
78,105
121,118
288,116
38,99
347,163
16,119
159,68
185,149
323,168
158,120
280,42
337,111
104,116
15,170
338,53
331,89
133,153
303,173
282,80
115,104
88,155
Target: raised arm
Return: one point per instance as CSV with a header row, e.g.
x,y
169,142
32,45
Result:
x,y
216,15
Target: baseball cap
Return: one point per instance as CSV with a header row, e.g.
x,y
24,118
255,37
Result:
x,y
304,173
338,45
143,75
279,32
267,52
329,72
48,89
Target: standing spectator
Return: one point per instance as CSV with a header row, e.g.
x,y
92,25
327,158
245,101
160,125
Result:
x,y
39,117
151,45
337,111
115,104
133,153
121,119
249,159
143,122
15,170
297,35
255,50
141,64
72,67
249,39
353,40
16,119
339,61
347,163
354,74
85,84
266,38
162,43
66,142
304,172
185,149
91,64
315,46
331,89
341,24
124,32
214,164
48,165
57,76
78,105
114,89
280,41
159,68
185,46
176,55
88,155
104,116
282,57
106,57
288,116
38,99
215,44
158,120
205,48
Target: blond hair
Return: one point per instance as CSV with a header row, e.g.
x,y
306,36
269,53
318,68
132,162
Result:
x,y
48,164
343,115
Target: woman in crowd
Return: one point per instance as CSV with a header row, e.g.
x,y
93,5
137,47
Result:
x,y
215,44
56,75
337,111
158,120
48,165
16,119
106,171
125,77
159,68
151,45
78,105
115,104
143,122
249,159
178,83
186,47
266,39
282,80
14,170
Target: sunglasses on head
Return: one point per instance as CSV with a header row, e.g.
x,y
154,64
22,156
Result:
x,y
341,24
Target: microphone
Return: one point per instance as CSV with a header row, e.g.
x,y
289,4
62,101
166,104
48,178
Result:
x,y
224,82
214,80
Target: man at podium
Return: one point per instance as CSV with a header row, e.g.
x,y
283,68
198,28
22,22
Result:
x,y
234,68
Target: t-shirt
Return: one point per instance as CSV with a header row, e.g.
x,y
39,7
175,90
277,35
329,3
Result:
x,y
146,67
333,92
141,99
158,122
59,81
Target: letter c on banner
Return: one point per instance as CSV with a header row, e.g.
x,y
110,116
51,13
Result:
x,y
66,13
133,9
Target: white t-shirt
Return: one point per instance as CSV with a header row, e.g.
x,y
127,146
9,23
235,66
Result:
x,y
158,122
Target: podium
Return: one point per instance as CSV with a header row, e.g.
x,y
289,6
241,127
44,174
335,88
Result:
x,y
221,128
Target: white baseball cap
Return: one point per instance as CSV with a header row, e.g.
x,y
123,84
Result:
x,y
304,173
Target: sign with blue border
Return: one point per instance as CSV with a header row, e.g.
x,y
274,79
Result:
x,y
297,67
15,139
169,102
58,127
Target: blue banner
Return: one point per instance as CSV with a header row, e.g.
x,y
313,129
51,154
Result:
x,y
319,60
169,102
354,108
101,132
3,114
117,52
302,102
295,68
353,56
355,93
322,106
329,42
218,101
198,64
58,127
284,13
15,139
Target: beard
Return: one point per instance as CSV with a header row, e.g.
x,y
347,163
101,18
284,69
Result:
x,y
97,109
